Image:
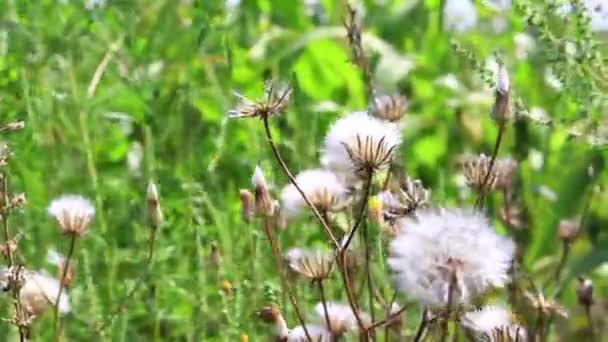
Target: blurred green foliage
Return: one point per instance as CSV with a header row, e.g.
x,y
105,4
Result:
x,y
167,73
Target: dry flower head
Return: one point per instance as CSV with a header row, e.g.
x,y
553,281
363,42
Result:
x,y
313,265
73,213
475,169
275,100
391,108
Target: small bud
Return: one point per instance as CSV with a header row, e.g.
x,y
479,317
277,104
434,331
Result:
x,y
568,230
501,111
154,212
215,257
247,203
264,205
584,292
374,210
390,108
13,126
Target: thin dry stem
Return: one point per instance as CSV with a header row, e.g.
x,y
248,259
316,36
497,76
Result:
x,y
482,191
362,209
324,303
66,267
422,327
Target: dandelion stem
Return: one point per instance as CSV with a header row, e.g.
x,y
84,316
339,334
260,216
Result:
x,y
422,326
482,191
276,252
363,206
448,308
66,267
324,303
292,179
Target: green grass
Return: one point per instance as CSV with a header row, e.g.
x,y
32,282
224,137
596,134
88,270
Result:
x,y
168,70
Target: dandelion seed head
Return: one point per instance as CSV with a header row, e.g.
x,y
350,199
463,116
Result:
x,y
313,265
459,15
317,334
493,321
447,243
323,188
341,318
358,143
73,213
39,292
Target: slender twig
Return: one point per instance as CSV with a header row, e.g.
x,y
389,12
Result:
x,y
590,321
482,191
422,326
276,252
448,308
324,303
368,271
565,252
66,267
362,207
292,179
387,319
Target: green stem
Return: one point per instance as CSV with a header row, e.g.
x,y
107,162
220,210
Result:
x,y
66,267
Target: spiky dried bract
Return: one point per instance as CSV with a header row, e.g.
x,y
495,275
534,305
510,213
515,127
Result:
x,y
357,144
73,213
505,172
390,107
414,195
446,244
322,188
313,265
39,292
548,306
275,100
493,323
475,169
154,212
341,318
317,334
264,204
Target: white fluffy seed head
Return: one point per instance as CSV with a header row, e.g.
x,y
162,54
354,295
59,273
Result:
x,y
459,15
39,292
321,187
491,321
442,245
317,334
73,213
341,318
357,141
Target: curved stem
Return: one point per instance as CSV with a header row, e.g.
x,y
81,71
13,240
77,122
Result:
x,y
66,267
324,302
482,191
360,215
422,327
276,252
292,179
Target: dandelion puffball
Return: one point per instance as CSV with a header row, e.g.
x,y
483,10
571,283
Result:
x,y
359,143
449,248
73,213
322,188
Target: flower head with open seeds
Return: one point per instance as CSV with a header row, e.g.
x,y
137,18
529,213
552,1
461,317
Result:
x,y
390,108
447,249
317,334
493,323
312,265
322,187
73,213
359,143
39,292
475,169
275,100
341,318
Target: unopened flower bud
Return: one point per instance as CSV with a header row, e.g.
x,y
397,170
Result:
x,y
501,111
584,291
568,230
264,205
154,212
247,203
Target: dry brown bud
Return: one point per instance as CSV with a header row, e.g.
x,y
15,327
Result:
x,y
247,203
476,170
501,111
390,108
264,205
270,314
584,291
153,209
568,230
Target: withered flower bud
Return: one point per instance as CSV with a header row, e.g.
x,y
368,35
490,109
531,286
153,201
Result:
x,y
273,316
414,194
264,205
476,170
247,203
390,108
153,210
568,230
501,111
584,292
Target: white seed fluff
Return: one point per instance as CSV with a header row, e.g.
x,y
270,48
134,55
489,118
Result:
x,y
459,15
321,187
40,291
341,317
317,334
448,243
490,319
73,212
346,131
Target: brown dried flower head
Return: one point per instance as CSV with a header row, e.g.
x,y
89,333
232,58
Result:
x,y
153,209
73,213
247,204
568,230
475,169
270,314
390,108
584,292
264,204
368,154
274,101
414,195
312,265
